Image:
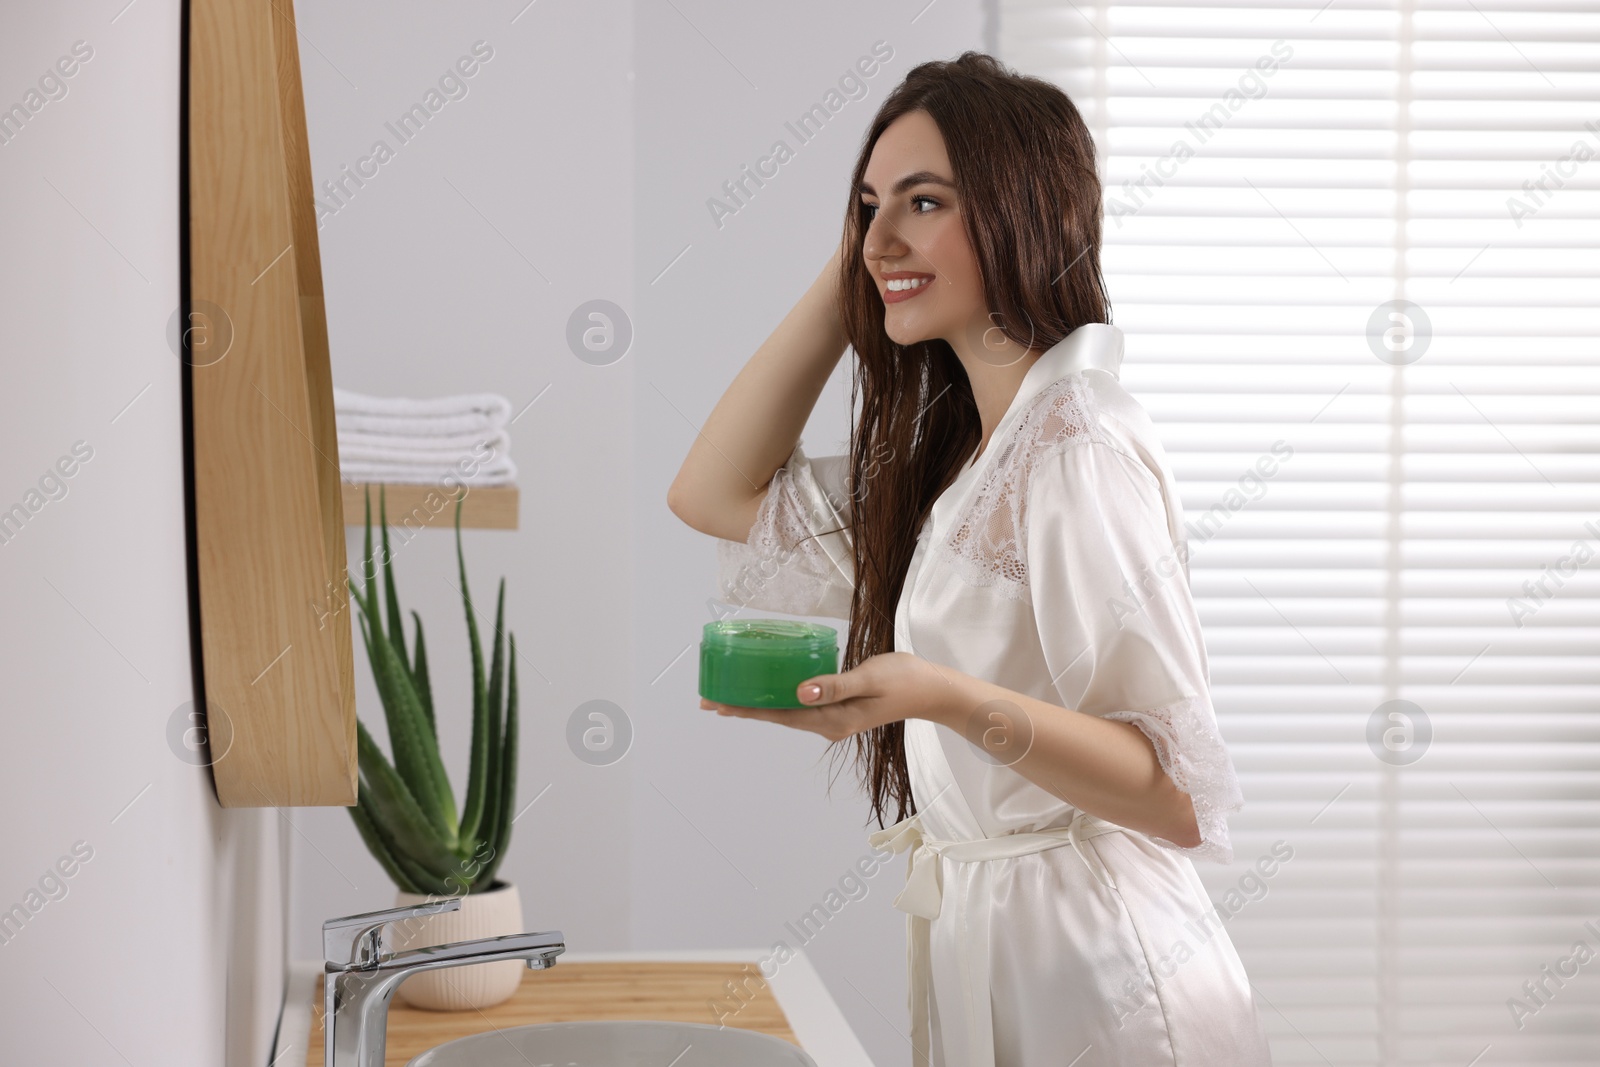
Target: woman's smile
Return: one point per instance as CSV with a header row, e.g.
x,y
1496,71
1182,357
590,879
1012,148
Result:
x,y
905,285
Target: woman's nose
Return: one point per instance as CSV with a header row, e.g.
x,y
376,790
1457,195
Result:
x,y
881,240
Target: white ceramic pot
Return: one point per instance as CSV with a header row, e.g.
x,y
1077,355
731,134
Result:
x,y
489,913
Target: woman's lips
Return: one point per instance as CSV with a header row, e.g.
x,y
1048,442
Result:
x,y
891,296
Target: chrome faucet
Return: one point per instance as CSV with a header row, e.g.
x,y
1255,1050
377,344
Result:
x,y
359,978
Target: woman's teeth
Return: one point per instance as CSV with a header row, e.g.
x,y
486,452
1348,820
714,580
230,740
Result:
x,y
900,284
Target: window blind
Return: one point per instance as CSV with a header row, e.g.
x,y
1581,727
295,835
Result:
x,y
1353,246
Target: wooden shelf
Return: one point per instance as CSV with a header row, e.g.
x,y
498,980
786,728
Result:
x,y
487,507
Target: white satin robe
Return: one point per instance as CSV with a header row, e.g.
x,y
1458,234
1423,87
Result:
x,y
1054,565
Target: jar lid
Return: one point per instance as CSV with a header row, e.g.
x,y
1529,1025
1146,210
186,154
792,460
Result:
x,y
769,635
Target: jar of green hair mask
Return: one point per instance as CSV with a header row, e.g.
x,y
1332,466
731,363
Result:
x,y
760,663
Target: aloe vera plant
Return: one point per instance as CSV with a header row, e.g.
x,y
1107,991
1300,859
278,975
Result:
x,y
406,810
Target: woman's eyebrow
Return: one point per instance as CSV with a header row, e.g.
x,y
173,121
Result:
x,y
921,177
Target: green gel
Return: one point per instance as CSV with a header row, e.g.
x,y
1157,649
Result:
x,y
759,663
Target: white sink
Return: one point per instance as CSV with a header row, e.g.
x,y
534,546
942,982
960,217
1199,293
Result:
x,y
615,1044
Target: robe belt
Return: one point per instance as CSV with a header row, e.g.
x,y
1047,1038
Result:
x,y
922,899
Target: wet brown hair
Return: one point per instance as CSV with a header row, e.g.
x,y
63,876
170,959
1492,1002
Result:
x,y
1029,195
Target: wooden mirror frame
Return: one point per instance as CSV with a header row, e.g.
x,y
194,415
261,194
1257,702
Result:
x,y
277,675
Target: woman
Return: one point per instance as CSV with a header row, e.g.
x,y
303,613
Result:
x,y
1026,682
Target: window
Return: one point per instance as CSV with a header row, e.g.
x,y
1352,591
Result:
x,y
1353,245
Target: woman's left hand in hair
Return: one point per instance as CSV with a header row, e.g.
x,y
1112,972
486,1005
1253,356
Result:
x,y
882,689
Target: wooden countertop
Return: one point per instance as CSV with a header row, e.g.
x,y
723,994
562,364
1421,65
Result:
x,y
669,991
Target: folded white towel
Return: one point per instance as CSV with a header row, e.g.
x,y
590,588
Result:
x,y
438,441
436,416
474,451
448,475
423,426
432,443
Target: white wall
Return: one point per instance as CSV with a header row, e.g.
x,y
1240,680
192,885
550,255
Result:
x,y
455,269
578,167
167,945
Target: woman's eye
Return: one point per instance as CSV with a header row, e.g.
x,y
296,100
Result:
x,y
872,209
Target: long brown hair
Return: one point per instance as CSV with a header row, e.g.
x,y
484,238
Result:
x,y
1024,169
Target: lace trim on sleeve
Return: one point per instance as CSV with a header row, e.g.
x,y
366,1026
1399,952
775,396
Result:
x,y
988,546
781,567
1192,752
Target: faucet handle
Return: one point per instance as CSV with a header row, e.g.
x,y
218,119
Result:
x,y
356,941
